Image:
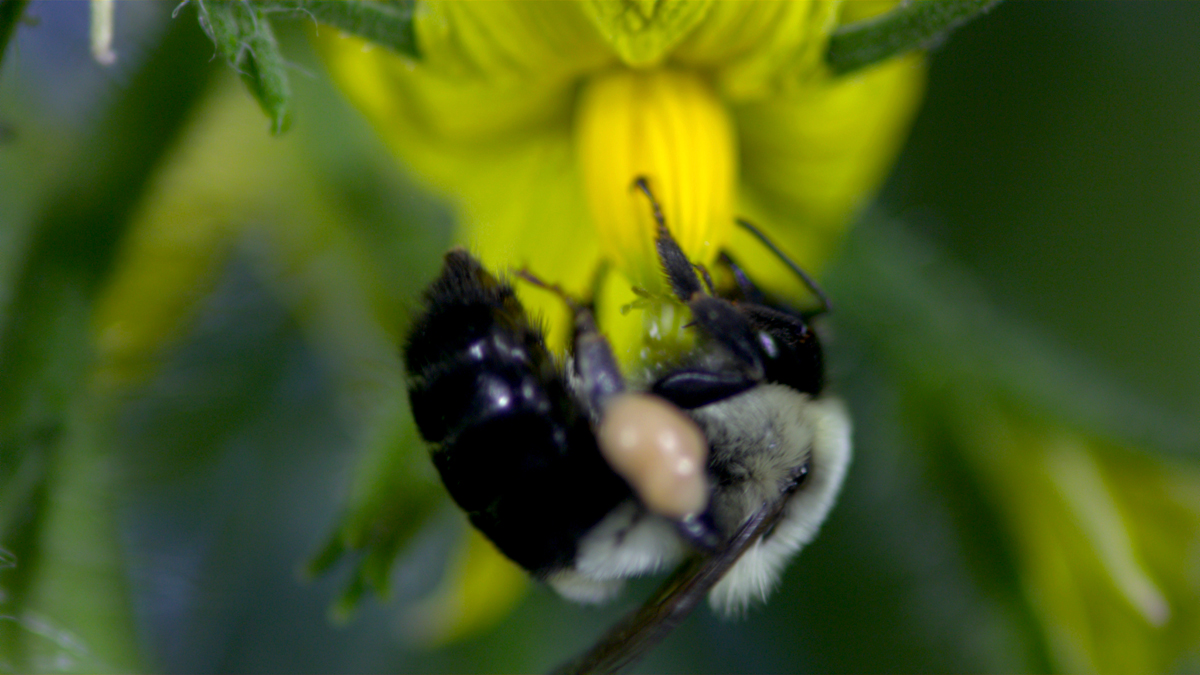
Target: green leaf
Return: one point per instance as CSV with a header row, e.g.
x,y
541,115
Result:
x,y
243,35
393,494
388,23
913,25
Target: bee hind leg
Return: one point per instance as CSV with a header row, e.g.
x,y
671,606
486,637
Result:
x,y
596,374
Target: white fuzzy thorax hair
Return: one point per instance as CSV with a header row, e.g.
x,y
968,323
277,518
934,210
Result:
x,y
759,440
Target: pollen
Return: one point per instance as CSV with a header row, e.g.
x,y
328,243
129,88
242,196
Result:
x,y
669,127
659,451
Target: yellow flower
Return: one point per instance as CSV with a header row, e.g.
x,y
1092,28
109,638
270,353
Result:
x,y
535,118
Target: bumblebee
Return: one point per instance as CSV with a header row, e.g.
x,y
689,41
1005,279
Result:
x,y
584,479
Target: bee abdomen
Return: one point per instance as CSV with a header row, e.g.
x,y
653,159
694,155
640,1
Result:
x,y
510,442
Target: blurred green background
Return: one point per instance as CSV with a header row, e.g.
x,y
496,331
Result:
x,y
245,338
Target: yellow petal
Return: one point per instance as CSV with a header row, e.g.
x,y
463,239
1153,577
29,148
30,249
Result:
x,y
226,173
812,159
1077,475
524,208
668,126
757,49
426,115
511,173
860,10
507,40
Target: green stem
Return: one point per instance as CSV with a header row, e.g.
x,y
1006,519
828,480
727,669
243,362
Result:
x,y
10,16
912,25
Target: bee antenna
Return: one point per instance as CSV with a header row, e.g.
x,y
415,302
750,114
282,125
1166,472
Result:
x,y
749,290
812,285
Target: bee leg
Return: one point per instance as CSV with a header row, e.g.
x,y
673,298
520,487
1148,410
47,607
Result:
x,y
716,317
596,372
695,388
680,273
596,366
700,530
598,382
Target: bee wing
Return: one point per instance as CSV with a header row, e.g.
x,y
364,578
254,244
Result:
x,y
639,631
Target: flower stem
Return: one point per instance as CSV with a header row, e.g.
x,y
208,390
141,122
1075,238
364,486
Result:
x,y
912,25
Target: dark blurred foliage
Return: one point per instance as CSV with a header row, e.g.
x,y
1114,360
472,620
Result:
x,y
1055,170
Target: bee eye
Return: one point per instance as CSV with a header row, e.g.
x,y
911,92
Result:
x,y
801,477
659,451
768,344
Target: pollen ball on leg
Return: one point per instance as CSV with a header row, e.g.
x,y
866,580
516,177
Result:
x,y
658,450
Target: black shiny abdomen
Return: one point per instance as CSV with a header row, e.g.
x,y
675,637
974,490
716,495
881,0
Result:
x,y
511,443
